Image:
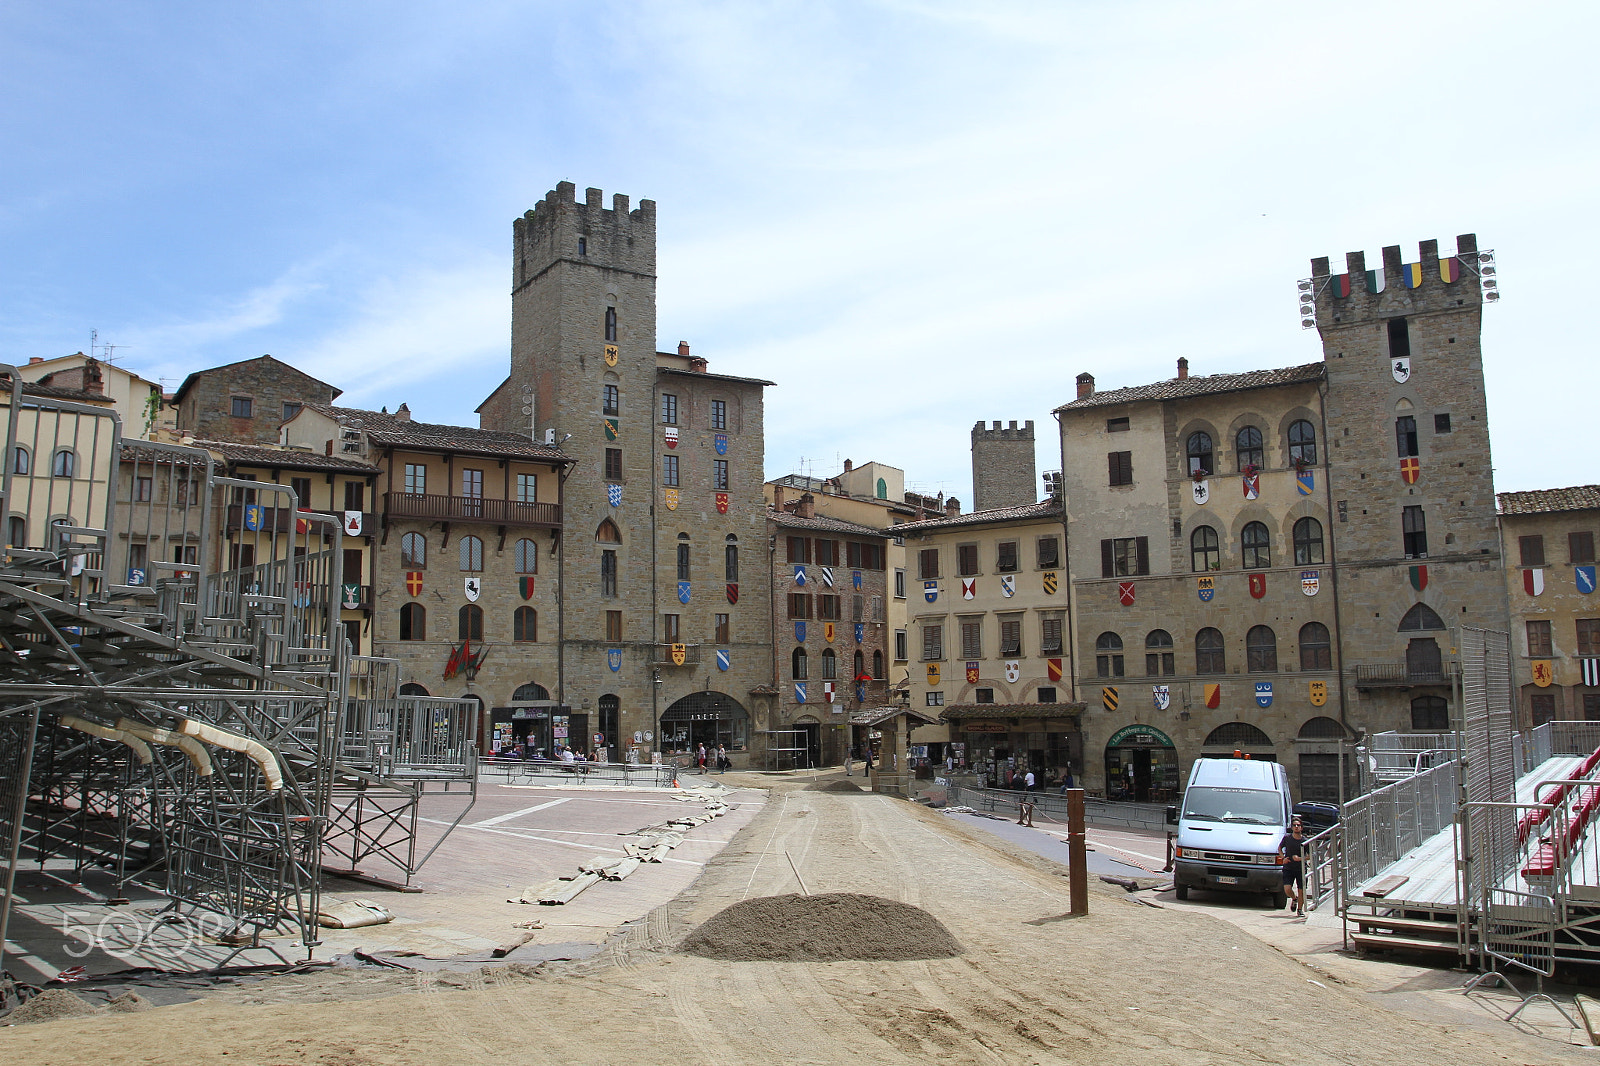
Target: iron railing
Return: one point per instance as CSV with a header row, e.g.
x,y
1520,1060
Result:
x,y
472,509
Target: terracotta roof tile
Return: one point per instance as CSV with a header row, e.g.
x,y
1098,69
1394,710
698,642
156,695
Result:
x,y
1540,501
291,458
790,520
1176,389
384,428
1046,509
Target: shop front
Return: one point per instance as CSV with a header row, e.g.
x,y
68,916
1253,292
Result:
x,y
1141,765
538,730
1001,744
708,718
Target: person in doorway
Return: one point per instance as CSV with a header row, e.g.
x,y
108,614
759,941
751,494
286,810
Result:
x,y
1291,854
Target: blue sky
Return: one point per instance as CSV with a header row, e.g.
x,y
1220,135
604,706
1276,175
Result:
x,y
912,215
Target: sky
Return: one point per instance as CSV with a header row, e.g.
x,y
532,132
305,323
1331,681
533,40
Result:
x,y
912,215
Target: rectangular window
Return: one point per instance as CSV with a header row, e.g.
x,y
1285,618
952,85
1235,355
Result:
x,y
669,409
1116,425
1441,423
1543,709
934,699
527,488
1125,557
1159,663
290,409
244,495
933,642
1011,636
877,609
1006,557
900,655
1050,634
610,400
799,549
302,490
966,559
241,407
1405,436
719,474
853,553
1047,695
355,496
613,464
730,562
1580,546
1049,553
722,629
1414,527
611,312
671,633
683,562
241,556
799,605
1588,637
826,552
857,606
719,414
983,695
899,583
143,487
928,563
1539,639
1532,550
608,574
614,627
416,479
138,557
972,638
669,470
1120,465
827,608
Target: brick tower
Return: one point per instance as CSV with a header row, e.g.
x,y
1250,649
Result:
x,y
1003,466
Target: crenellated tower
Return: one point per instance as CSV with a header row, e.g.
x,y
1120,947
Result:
x,y
1003,466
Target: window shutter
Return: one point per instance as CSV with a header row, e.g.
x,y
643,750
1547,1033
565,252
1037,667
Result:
x,y
1112,468
1144,555
1106,567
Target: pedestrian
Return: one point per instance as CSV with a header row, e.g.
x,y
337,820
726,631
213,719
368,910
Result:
x,y
1028,782
700,759
1291,855
722,759
849,760
867,761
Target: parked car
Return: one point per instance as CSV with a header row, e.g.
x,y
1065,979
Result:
x,y
1317,817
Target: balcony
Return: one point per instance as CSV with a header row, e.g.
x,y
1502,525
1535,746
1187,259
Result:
x,y
1403,675
661,655
471,509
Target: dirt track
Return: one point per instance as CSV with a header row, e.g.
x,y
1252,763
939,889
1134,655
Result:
x,y
1127,984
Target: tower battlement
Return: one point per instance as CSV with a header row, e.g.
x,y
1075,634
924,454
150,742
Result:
x,y
562,227
997,432
1003,466
1396,287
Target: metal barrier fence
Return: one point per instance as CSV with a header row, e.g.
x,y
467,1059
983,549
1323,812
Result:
x,y
1389,757
1384,825
521,771
1102,813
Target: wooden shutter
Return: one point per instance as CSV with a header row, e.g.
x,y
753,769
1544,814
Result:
x,y
1107,567
1143,548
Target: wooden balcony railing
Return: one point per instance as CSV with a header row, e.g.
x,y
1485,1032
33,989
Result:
x,y
472,509
1403,675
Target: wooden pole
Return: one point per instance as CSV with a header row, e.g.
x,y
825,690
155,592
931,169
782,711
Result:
x,y
1077,852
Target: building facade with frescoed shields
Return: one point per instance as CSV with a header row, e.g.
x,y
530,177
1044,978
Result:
x,y
665,643
1276,561
832,634
461,531
1548,538
989,651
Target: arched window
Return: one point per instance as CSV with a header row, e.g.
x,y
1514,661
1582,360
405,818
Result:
x,y
1158,659
1302,443
730,558
1322,729
797,664
469,622
1210,657
1256,546
21,461
526,555
607,532
1205,550
1421,618
525,624
1430,714
532,692
683,557
860,666
413,622
471,555
877,665
65,463
1200,453
1316,649
17,531
1261,650
1237,735
1108,655
1307,542
1247,447
411,688
830,665
414,551
883,489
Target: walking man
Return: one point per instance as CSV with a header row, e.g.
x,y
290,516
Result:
x,y
1291,853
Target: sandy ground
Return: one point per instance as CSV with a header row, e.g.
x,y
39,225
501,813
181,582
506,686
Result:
x,y
1128,983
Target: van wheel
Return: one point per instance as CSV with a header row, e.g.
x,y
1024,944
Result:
x,y
1280,900
1182,891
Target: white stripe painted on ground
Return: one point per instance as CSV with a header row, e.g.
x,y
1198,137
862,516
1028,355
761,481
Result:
x,y
529,835
517,814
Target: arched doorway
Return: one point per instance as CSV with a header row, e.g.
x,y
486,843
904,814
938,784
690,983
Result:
x,y
708,718
1141,765
532,725
807,736
1226,739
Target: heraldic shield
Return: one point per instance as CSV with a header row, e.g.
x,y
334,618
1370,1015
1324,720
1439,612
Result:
x,y
972,673
933,673
1318,693
679,653
614,659
1162,696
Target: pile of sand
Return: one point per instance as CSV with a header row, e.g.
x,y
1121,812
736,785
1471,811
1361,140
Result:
x,y
826,928
129,1002
837,786
50,1006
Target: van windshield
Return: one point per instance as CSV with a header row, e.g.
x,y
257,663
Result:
x,y
1252,805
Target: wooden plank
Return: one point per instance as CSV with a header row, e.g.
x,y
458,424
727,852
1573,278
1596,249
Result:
x,y
1376,942
1385,886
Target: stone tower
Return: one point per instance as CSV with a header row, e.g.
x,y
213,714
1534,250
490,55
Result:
x,y
1003,466
1410,484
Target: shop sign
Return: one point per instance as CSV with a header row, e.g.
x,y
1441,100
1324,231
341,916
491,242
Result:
x,y
984,727
1130,736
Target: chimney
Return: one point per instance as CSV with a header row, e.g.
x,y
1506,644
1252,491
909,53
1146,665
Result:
x,y
402,413
683,349
807,508
1085,386
698,365
1183,369
35,359
777,497
952,507
848,466
93,378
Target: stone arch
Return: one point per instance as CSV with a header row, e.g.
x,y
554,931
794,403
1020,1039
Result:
x,y
607,532
1323,728
1238,736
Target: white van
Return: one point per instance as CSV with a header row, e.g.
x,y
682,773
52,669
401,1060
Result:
x,y
1233,817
